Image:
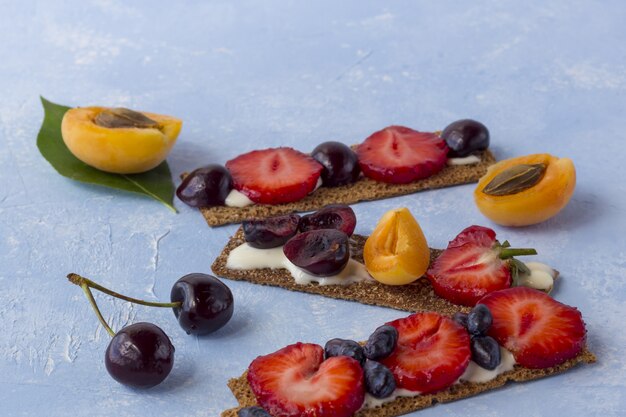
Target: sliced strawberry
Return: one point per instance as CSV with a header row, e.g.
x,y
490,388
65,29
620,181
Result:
x,y
432,352
275,175
470,267
296,381
399,155
483,236
540,331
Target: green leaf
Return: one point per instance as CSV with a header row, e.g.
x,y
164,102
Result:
x,y
156,183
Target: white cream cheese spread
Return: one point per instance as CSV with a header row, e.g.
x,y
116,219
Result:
x,y
467,160
247,257
237,199
541,276
473,373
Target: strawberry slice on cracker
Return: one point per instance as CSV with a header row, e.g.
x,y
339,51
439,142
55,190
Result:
x,y
275,175
473,265
296,381
399,155
540,331
431,354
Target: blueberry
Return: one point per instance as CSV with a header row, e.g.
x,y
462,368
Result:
x,y
460,318
485,352
479,320
343,347
379,380
381,343
253,412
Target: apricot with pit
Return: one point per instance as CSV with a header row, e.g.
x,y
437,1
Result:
x,y
119,140
526,190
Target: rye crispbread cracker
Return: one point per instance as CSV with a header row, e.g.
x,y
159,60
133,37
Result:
x,y
417,296
363,190
403,405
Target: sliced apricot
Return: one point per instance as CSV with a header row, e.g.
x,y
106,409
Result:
x,y
119,140
526,190
397,253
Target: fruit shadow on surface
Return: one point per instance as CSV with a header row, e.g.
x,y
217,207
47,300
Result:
x,y
499,152
180,377
238,323
187,156
583,209
104,193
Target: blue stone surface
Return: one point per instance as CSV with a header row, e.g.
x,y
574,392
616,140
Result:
x,y
543,76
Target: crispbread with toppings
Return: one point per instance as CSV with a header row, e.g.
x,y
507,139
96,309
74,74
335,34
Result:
x,y
363,190
403,405
417,296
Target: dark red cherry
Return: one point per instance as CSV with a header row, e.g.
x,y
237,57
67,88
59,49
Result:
x,y
205,187
321,252
464,137
271,232
207,303
333,216
340,163
140,355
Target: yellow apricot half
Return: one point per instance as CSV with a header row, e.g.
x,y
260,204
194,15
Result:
x,y
121,148
534,204
396,253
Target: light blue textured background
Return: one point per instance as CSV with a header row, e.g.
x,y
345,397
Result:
x,y
543,76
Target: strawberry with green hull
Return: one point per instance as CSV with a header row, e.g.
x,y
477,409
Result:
x,y
473,265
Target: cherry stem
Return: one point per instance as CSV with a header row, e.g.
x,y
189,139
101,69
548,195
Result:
x,y
92,301
507,253
80,281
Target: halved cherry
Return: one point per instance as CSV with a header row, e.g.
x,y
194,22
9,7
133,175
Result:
x,y
322,252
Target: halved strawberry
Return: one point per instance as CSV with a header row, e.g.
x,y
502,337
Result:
x,y
481,235
275,175
399,155
296,381
473,265
432,352
540,331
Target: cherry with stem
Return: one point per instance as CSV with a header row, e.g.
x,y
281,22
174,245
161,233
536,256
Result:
x,y
139,355
201,303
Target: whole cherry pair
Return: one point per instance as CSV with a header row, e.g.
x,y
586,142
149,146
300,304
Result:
x,y
141,355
